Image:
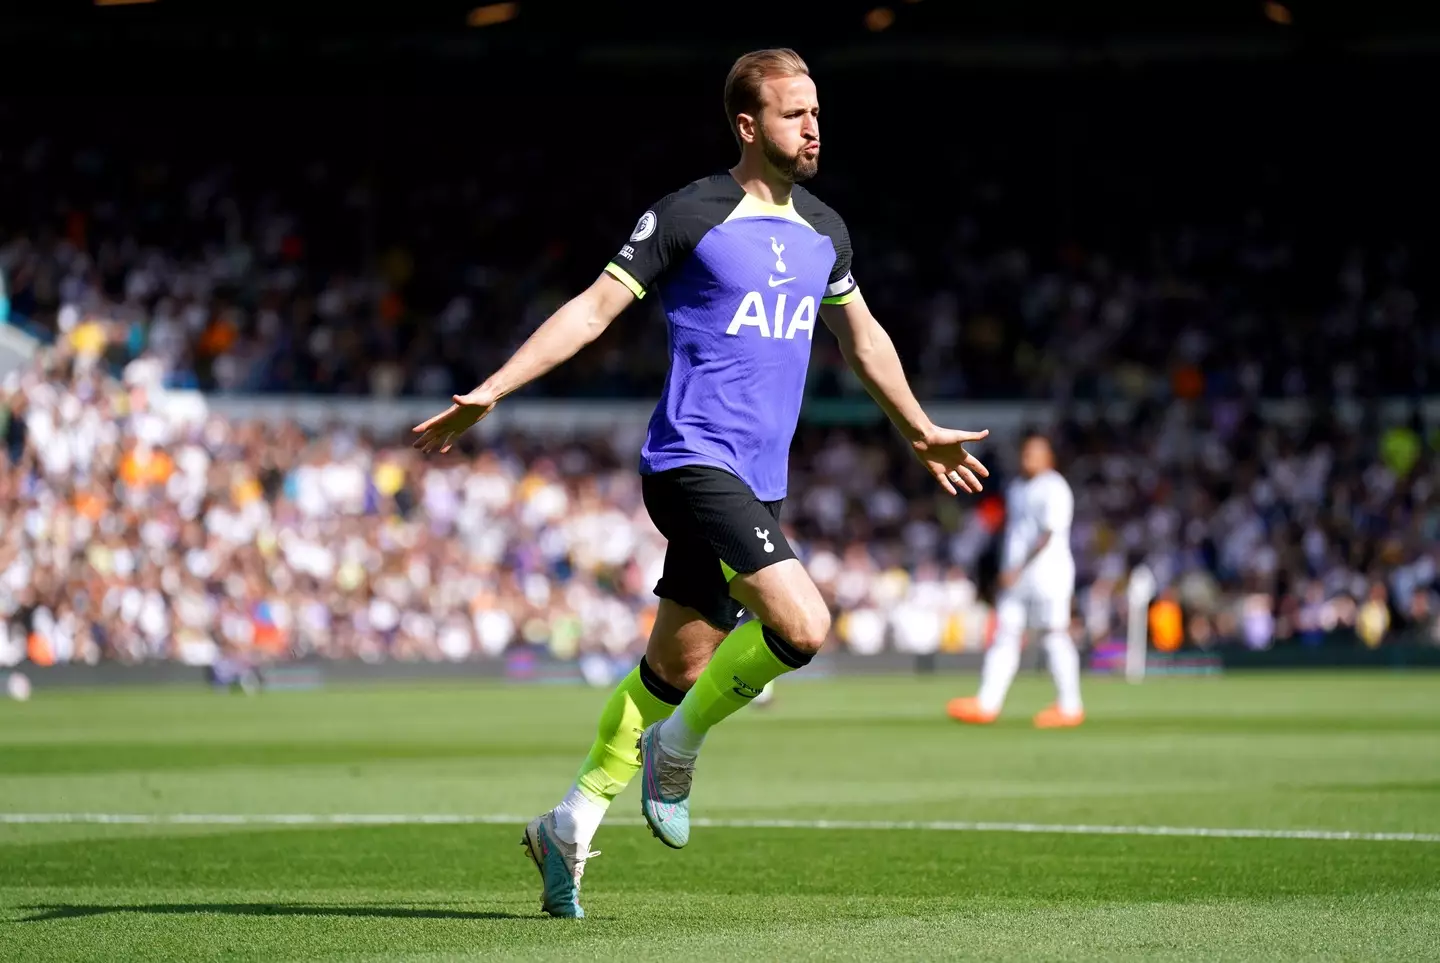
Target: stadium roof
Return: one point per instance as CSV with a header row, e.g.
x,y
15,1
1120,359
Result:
x,y
131,39
646,22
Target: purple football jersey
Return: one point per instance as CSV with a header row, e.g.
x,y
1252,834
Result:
x,y
741,282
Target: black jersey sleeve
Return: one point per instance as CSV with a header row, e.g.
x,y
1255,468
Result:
x,y
662,239
841,286
668,233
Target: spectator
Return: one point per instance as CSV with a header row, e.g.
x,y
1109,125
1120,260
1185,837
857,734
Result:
x,y
133,530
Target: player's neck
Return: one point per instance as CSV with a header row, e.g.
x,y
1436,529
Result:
x,y
760,180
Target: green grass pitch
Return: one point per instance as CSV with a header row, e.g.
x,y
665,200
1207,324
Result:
x,y
1356,753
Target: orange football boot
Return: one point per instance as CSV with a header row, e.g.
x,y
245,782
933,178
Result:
x,y
968,710
1053,718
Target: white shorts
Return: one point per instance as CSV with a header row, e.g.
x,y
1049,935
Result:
x,y
1023,607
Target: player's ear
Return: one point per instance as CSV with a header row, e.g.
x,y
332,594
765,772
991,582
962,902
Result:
x,y
745,128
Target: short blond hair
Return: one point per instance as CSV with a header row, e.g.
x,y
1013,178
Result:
x,y
742,86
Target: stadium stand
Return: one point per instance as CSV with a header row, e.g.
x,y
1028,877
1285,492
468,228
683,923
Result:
x,y
1218,342
133,533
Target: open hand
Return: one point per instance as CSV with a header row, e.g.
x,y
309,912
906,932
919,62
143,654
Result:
x,y
943,454
439,433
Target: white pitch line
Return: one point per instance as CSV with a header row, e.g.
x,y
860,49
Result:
x,y
505,819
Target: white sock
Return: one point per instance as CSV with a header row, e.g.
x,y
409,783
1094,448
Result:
x,y
1002,660
679,739
578,817
1065,668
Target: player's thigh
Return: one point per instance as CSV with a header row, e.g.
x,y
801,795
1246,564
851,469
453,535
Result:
x,y
1012,614
746,548
1050,611
758,560
694,577
681,643
785,598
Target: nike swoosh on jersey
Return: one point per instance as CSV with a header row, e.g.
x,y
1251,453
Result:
x,y
774,283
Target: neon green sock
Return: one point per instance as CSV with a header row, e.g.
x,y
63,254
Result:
x,y
614,758
742,666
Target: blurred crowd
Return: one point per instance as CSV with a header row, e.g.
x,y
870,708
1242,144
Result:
x,y
1260,531
331,274
132,530
364,254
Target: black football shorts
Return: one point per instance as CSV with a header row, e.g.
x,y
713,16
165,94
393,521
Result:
x,y
717,529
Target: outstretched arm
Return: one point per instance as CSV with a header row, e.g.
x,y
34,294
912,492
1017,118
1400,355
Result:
x,y
662,237
579,321
574,324
871,354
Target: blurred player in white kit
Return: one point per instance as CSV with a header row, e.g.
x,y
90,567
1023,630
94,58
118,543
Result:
x,y
1036,585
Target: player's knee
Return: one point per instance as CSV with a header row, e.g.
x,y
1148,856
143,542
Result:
x,y
1058,639
676,664
788,603
1007,641
1009,628
675,668
810,628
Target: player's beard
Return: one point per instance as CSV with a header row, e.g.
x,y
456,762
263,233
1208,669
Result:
x,y
796,168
